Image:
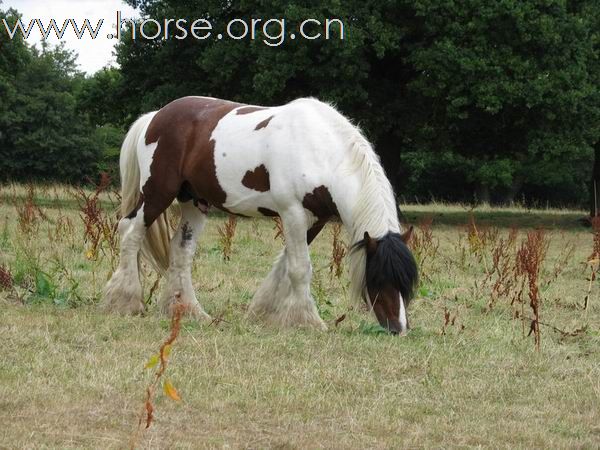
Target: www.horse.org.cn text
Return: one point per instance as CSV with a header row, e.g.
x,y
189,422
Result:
x,y
272,32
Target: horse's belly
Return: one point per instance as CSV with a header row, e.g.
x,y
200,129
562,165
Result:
x,y
250,205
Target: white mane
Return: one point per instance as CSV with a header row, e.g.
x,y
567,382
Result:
x,y
375,210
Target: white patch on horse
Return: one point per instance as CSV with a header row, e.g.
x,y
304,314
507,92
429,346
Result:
x,y
145,157
402,316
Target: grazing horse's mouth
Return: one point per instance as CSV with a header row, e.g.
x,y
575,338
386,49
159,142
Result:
x,y
394,327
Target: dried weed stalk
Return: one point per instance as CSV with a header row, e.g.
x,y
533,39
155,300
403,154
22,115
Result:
x,y
146,415
424,245
278,228
62,230
338,251
227,233
29,213
6,279
100,228
530,257
593,261
450,321
503,270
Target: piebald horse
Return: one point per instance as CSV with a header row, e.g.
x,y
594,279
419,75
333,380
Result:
x,y
303,161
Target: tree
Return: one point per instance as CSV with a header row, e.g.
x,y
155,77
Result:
x,y
595,184
486,96
98,97
590,10
510,93
42,135
98,100
14,57
497,98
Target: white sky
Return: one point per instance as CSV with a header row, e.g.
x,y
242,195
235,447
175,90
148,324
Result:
x,y
93,53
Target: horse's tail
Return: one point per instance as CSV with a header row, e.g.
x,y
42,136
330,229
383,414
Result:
x,y
155,247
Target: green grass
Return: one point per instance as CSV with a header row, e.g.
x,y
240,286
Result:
x,y
73,377
515,216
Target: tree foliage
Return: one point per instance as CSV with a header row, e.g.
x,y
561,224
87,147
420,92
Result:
x,y
42,134
510,91
492,97
486,99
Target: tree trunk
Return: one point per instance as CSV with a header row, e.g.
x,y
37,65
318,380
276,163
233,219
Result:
x,y
389,152
595,184
483,194
513,190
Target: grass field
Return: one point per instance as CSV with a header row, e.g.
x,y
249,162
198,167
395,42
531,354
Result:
x,y
467,375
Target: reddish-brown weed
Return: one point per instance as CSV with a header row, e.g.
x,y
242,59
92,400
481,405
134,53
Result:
x,y
338,251
227,233
530,256
100,228
146,416
6,278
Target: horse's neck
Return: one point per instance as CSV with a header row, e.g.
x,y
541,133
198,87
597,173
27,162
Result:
x,y
366,202
367,205
362,192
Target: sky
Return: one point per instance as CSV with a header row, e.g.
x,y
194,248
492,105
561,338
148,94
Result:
x,y
93,53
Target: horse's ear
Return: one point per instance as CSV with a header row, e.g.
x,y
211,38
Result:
x,y
407,235
370,244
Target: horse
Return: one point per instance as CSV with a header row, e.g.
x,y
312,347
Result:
x,y
303,162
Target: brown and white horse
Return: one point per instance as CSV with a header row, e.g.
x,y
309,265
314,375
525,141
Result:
x,y
302,161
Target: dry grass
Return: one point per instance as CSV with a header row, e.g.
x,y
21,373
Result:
x,y
71,377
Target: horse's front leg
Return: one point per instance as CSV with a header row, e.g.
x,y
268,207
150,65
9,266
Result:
x,y
284,297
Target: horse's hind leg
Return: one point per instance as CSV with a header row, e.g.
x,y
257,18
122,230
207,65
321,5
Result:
x,y
123,293
181,254
284,297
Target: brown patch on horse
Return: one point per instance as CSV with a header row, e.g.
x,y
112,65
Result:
x,y
249,109
320,203
135,210
264,123
313,231
267,212
257,179
185,154
186,234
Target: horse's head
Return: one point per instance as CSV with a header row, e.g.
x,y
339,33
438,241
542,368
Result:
x,y
391,276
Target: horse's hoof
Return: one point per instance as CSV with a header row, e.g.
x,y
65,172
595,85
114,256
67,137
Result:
x,y
198,314
123,297
127,307
191,310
